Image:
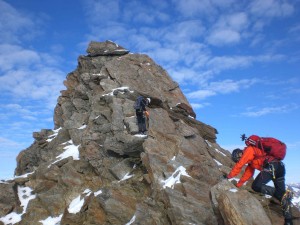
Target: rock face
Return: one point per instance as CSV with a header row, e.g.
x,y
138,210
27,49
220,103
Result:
x,y
94,169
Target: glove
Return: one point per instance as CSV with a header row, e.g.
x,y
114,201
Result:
x,y
225,176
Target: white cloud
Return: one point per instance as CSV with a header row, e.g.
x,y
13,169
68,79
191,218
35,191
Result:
x,y
236,21
201,94
223,37
7,147
205,8
96,10
271,8
228,29
221,87
16,26
183,31
257,112
43,83
221,63
199,106
13,55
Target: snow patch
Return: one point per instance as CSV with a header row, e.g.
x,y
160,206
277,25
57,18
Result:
x,y
233,190
82,127
52,220
175,177
140,135
219,164
217,150
98,193
23,176
127,176
24,194
131,221
76,205
51,137
208,143
71,151
120,89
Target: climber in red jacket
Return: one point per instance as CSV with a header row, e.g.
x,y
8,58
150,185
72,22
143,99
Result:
x,y
270,170
252,156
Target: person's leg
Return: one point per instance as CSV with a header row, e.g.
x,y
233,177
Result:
x,y
139,117
144,129
259,184
281,194
279,181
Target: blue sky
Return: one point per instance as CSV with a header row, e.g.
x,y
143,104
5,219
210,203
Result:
x,y
237,62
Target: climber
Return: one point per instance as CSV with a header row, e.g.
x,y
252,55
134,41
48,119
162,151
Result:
x,y
269,170
141,113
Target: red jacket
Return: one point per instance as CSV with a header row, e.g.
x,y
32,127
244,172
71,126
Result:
x,y
254,157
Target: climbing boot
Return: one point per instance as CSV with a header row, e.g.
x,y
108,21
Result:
x,y
286,200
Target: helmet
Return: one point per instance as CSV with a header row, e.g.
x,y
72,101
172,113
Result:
x,y
252,140
236,154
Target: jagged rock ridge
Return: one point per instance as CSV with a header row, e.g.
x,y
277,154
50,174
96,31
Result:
x,y
94,169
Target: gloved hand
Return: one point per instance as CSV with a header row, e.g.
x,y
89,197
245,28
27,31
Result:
x,y
225,176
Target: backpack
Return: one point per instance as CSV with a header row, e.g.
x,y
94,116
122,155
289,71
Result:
x,y
138,103
272,146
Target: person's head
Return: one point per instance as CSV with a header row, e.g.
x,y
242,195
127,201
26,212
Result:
x,y
236,154
147,101
252,140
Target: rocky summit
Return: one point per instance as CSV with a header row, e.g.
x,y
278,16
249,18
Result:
x,y
94,167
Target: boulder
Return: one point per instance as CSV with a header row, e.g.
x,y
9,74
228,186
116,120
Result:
x,y
106,48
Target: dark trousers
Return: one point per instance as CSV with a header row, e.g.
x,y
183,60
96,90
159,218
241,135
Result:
x,y
141,120
275,171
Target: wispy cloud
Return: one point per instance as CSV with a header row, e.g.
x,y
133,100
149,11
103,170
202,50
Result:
x,y
257,112
199,106
228,29
7,146
222,87
271,8
17,26
191,8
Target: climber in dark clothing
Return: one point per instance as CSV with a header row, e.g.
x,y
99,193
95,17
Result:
x,y
141,113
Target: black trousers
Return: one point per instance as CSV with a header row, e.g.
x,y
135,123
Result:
x,y
141,120
275,171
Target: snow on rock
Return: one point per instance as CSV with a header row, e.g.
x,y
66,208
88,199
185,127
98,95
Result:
x,y
52,220
51,137
71,151
233,190
82,127
208,143
219,164
24,175
122,89
98,193
131,221
175,177
24,194
75,205
127,176
11,218
220,152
